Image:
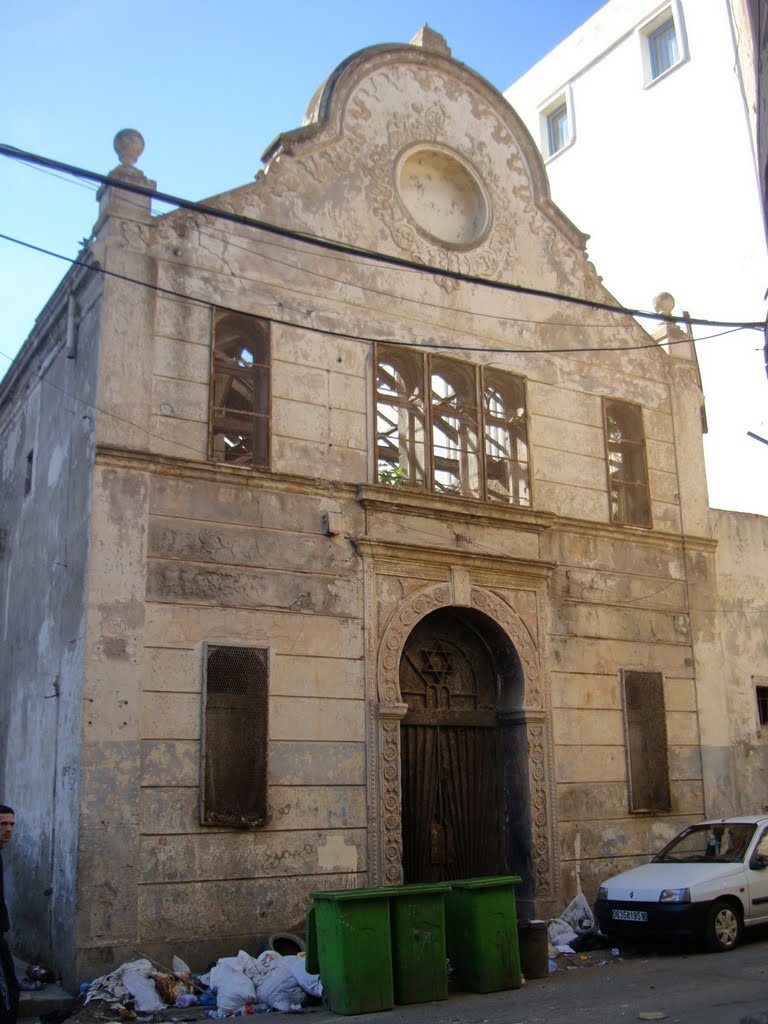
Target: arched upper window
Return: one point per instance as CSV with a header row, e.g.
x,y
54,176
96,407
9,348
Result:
x,y
475,419
240,390
627,469
400,433
455,427
506,438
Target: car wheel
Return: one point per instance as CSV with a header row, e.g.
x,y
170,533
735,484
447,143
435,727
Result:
x,y
723,927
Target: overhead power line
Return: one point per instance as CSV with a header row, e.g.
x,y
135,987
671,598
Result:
x,y
346,249
329,332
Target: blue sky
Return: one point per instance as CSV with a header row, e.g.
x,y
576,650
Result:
x,y
208,85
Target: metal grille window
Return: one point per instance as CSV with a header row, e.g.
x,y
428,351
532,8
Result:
x,y
646,727
240,390
235,737
475,418
627,469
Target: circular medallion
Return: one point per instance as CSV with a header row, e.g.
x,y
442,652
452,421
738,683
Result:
x,y
443,196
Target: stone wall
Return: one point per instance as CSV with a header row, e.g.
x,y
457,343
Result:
x,y
48,403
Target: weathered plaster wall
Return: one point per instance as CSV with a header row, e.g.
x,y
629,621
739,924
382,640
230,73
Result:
x,y
48,410
742,607
188,552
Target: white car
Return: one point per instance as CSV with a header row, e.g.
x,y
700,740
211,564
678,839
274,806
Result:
x,y
710,882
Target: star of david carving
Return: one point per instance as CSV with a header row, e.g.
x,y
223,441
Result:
x,y
437,662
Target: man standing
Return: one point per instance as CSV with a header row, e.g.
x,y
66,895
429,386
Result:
x,y
9,986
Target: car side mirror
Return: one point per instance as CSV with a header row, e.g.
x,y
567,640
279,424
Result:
x,y
759,862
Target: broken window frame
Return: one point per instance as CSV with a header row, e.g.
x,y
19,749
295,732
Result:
x,y
240,393
476,449
645,725
761,700
626,463
400,418
234,745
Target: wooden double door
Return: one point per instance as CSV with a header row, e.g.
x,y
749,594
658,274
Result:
x,y
452,814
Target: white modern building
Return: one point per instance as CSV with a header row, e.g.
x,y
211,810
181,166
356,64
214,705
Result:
x,y
647,119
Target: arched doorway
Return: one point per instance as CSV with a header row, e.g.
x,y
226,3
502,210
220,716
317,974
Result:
x,y
465,808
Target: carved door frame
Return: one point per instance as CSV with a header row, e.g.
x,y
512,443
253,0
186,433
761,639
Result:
x,y
385,833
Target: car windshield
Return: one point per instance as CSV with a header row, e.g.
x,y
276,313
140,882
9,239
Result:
x,y
722,843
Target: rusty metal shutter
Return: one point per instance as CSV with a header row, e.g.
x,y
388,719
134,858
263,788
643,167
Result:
x,y
646,727
235,737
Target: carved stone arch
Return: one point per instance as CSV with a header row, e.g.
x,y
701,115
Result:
x,y
396,632
530,717
492,606
425,601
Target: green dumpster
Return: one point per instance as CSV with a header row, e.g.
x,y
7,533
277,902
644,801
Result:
x,y
481,933
354,946
311,960
417,921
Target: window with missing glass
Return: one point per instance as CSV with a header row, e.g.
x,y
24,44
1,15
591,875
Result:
x,y
451,427
235,732
761,696
646,733
240,390
626,461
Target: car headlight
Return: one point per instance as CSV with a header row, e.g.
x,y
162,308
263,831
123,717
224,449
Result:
x,y
602,893
675,896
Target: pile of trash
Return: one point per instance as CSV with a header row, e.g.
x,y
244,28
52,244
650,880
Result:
x,y
236,985
575,931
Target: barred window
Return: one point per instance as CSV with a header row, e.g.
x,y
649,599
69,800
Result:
x,y
646,726
235,737
627,469
475,418
240,390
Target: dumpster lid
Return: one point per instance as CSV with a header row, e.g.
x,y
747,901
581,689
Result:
x,y
374,892
495,881
420,888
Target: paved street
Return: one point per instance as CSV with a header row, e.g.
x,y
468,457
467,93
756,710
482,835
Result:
x,y
689,987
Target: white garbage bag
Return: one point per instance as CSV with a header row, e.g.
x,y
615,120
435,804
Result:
x,y
278,989
578,914
142,988
310,983
232,986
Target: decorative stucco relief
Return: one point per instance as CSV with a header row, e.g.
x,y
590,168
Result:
x,y
543,866
385,764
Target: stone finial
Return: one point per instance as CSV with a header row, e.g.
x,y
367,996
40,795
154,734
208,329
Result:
x,y
428,39
129,145
664,303
676,339
115,202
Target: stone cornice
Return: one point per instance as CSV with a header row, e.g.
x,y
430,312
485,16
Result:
x,y
216,472
385,498
633,534
522,569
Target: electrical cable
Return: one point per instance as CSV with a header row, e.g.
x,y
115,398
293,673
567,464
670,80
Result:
x,y
494,349
344,248
228,239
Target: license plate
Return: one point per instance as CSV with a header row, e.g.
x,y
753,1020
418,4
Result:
x,y
629,915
